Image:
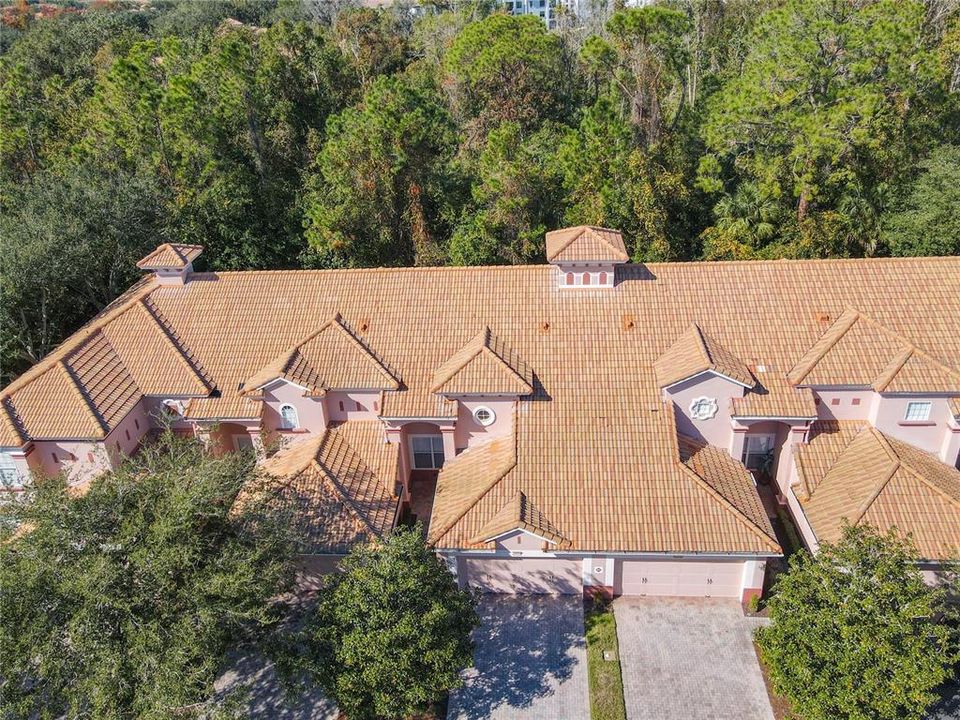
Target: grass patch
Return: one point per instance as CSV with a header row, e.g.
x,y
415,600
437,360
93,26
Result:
x,y
606,684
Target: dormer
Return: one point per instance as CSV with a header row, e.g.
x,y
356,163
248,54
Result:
x,y
586,256
171,263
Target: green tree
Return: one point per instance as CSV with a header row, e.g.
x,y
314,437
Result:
x,y
381,186
927,220
856,633
124,601
833,100
392,630
69,244
517,198
506,68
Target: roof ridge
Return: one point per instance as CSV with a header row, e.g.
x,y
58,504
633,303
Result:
x,y
165,328
914,348
327,477
84,398
365,349
805,365
875,493
908,466
735,511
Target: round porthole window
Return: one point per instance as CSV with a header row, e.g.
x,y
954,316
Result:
x,y
484,415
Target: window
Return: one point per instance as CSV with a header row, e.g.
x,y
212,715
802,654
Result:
x,y
603,278
288,417
9,475
917,412
758,452
427,452
703,408
90,458
242,442
136,423
359,406
341,406
484,415
56,460
586,278
569,278
127,433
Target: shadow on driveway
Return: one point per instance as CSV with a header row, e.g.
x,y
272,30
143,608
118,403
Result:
x,y
530,661
265,695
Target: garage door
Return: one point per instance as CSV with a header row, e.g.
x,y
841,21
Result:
x,y
525,575
696,579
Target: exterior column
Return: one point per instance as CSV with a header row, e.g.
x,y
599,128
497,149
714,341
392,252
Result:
x,y
737,439
449,442
951,445
785,467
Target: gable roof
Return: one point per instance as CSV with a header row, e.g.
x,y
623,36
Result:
x,y
774,397
857,350
337,486
521,514
586,244
877,479
695,352
170,256
332,358
484,366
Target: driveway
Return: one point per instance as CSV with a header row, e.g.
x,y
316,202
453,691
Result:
x,y
530,661
689,658
260,691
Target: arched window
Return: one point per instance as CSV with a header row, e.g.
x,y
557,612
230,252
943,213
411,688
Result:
x,y
586,278
603,278
288,417
569,278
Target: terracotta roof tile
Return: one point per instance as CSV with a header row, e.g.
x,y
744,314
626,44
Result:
x,y
332,358
170,256
883,481
521,514
485,365
52,406
104,379
774,397
338,487
857,350
584,244
695,352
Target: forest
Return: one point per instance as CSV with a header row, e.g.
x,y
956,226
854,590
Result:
x,y
324,134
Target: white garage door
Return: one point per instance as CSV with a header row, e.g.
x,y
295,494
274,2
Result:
x,y
663,577
525,575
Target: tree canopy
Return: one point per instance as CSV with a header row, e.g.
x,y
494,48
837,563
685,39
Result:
x,y
125,600
291,133
856,633
392,630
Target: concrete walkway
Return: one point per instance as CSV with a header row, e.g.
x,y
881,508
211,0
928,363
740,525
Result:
x,y
689,658
530,660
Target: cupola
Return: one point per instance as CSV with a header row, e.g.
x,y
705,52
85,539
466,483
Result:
x,y
586,256
172,263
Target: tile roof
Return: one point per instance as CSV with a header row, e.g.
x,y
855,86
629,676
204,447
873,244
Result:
x,y
695,352
857,350
880,480
585,244
485,366
337,487
521,514
331,358
774,397
593,447
174,256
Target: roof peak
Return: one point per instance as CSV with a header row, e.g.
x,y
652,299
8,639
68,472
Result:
x,y
586,243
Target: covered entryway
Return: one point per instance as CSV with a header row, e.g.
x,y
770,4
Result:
x,y
555,576
679,578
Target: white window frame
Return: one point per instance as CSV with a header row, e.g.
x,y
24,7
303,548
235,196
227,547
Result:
x,y
910,414
772,439
484,423
284,423
433,452
9,472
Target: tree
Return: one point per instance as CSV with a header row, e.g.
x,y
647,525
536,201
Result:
x,y
517,197
392,630
68,246
856,633
506,68
927,221
833,100
645,58
124,601
380,187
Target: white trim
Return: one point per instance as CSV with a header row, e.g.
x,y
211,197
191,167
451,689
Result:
x,y
754,418
279,379
707,372
490,421
525,532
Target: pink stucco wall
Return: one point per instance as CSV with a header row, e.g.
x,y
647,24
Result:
x,y
356,405
926,436
469,430
520,541
717,430
311,413
845,404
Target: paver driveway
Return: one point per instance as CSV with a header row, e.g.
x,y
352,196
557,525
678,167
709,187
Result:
x,y
686,659
530,661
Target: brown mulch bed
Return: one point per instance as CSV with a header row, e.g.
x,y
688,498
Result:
x,y
780,705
